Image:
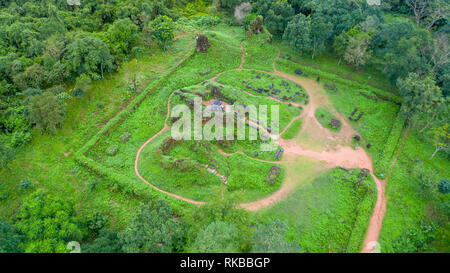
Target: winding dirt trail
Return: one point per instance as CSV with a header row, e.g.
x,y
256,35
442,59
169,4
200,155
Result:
x,y
342,156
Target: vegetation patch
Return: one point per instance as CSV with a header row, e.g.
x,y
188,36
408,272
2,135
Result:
x,y
293,130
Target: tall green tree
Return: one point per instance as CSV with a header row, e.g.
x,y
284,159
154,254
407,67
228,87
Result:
x,y
357,52
342,15
34,76
276,13
121,36
224,211
89,54
107,242
340,45
411,53
440,138
229,5
321,30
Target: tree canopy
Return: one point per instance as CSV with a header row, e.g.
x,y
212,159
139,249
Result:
x,y
298,33
10,238
419,94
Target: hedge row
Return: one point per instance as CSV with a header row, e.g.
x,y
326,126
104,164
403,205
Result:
x,y
381,94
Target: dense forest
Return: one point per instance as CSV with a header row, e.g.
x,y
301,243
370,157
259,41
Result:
x,y
51,51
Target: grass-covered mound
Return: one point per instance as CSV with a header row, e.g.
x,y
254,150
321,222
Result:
x,y
234,96
327,119
293,130
196,170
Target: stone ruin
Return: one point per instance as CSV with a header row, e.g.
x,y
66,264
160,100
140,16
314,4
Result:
x,y
216,92
167,143
331,86
202,43
226,143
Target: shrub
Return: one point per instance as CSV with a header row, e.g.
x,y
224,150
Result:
x,y
91,185
95,222
100,105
